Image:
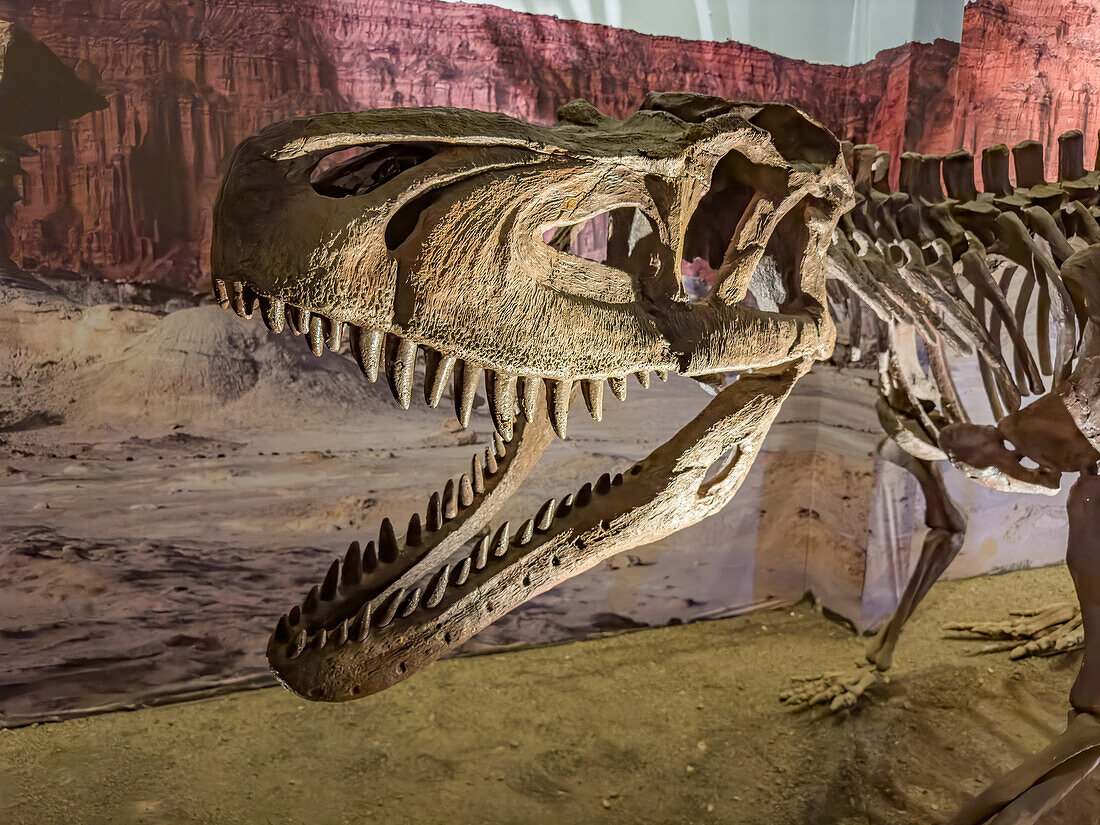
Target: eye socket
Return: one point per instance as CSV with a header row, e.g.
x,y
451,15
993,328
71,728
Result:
x,y
357,170
714,222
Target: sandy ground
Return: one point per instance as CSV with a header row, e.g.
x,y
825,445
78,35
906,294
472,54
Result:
x,y
670,725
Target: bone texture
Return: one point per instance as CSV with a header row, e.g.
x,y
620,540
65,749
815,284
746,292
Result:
x,y
447,237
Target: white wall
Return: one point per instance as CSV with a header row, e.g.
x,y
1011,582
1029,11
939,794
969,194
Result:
x,y
824,31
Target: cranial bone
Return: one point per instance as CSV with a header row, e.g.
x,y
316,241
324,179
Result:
x,y
446,233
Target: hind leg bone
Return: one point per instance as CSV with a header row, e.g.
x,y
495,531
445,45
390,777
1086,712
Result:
x,y
946,528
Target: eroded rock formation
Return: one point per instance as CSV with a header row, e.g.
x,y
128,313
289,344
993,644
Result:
x,y
127,193
1027,69
37,93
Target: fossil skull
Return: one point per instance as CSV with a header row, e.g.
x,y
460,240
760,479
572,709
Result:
x,y
448,232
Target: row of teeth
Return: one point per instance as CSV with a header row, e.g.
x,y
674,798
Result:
x,y
374,348
351,581
291,629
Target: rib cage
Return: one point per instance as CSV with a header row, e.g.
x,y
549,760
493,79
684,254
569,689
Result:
x,y
945,267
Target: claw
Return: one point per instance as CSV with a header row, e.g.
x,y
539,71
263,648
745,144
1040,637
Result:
x,y
1046,632
840,690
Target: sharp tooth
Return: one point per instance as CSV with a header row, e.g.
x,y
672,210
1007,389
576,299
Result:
x,y
557,404
334,334
414,534
565,507
332,579
592,390
243,299
437,371
295,615
320,640
295,648
662,374
450,500
353,565
528,396
410,603
273,312
360,625
465,389
500,541
317,334
584,495
367,346
545,516
387,542
370,558
435,513
499,448
400,367
437,587
618,386
299,320
500,390
390,610
282,630
462,573
643,378
481,555
221,293
490,461
603,484
465,491
525,534
617,480
477,475
340,634
311,601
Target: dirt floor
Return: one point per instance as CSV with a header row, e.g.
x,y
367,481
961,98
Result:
x,y
672,725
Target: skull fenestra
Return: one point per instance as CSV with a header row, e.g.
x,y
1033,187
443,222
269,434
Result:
x,y
452,235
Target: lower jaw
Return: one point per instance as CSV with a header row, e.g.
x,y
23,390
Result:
x,y
387,610
671,489
397,634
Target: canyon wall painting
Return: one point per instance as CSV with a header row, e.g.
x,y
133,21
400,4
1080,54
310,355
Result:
x,y
126,193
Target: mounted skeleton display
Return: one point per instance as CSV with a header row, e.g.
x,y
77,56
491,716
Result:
x,y
445,234
1027,253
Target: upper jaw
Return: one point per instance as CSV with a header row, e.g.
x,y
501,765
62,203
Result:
x,y
340,258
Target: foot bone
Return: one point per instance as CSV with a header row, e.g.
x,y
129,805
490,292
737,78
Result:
x,y
1046,632
840,690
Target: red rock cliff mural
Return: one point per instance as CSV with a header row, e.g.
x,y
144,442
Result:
x,y
1027,69
126,193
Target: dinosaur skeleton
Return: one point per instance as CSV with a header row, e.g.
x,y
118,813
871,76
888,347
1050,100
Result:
x,y
964,270
449,232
